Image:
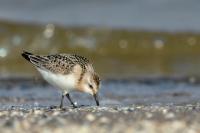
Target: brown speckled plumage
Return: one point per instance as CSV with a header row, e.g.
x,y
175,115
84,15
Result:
x,y
63,63
96,79
59,63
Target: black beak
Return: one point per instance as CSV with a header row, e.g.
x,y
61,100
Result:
x,y
96,99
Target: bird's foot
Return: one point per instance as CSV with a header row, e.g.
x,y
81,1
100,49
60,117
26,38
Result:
x,y
56,107
75,106
53,107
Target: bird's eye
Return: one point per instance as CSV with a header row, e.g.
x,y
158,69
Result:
x,y
91,87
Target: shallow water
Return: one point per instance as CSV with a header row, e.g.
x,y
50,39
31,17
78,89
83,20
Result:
x,y
135,53
30,93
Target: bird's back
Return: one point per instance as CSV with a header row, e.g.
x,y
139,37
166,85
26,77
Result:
x,y
57,63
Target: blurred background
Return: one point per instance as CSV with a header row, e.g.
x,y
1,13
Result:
x,y
129,38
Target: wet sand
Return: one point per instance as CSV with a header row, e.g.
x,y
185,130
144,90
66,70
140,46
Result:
x,y
129,119
148,105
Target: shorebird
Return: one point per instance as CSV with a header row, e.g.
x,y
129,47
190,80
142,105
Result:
x,y
67,72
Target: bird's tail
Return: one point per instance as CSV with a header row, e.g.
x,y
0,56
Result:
x,y
37,60
26,55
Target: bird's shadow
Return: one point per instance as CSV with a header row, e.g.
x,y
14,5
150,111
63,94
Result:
x,y
69,107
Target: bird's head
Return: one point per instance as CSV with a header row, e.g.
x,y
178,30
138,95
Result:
x,y
90,84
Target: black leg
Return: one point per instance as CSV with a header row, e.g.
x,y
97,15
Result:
x,y
61,102
70,100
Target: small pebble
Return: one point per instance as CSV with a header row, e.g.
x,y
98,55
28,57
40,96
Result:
x,y
131,109
149,115
38,112
170,115
104,120
55,113
164,111
14,113
90,117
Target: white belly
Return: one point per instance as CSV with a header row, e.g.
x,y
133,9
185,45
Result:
x,y
64,82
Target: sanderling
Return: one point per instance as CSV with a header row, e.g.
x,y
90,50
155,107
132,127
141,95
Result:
x,y
68,72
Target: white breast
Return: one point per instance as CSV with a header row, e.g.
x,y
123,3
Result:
x,y
64,82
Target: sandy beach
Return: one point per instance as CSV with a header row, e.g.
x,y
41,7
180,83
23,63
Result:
x,y
135,118
26,106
